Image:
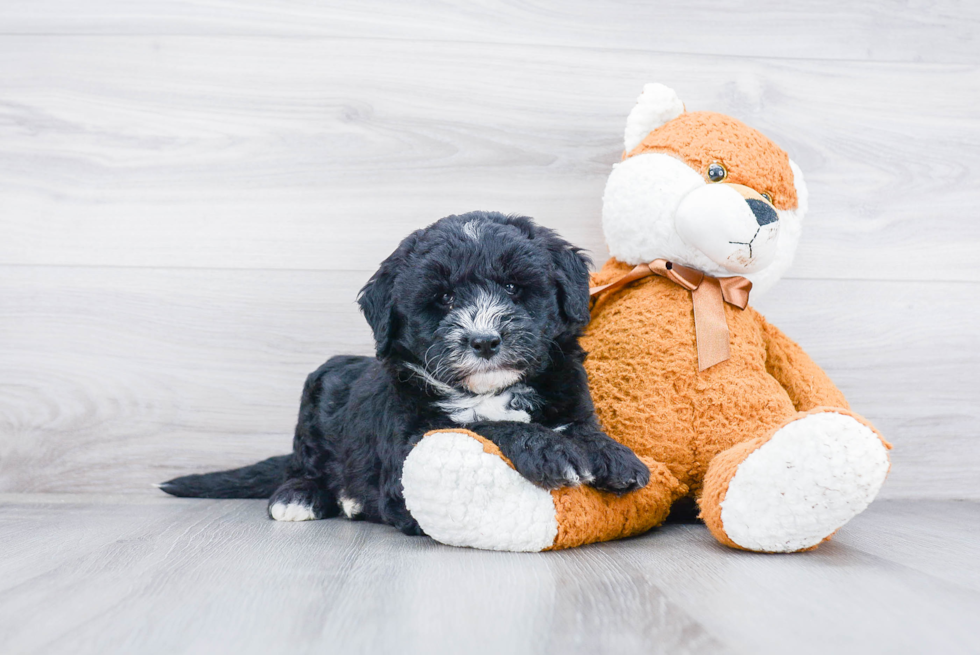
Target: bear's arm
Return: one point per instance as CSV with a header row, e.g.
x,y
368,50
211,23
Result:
x,y
805,382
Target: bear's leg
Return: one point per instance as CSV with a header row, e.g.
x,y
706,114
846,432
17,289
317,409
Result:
x,y
792,489
464,492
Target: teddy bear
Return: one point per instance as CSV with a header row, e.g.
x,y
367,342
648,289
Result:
x,y
702,213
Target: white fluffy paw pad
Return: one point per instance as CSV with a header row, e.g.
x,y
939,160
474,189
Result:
x,y
463,496
812,477
291,512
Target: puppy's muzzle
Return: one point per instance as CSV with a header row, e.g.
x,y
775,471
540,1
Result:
x,y
485,345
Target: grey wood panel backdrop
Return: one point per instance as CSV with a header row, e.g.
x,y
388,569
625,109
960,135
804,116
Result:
x,y
192,192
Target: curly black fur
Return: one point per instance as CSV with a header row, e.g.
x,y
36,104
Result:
x,y
478,275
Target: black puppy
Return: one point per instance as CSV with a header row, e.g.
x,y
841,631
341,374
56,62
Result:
x,y
476,319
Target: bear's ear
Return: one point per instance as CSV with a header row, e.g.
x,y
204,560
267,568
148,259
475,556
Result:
x,y
655,106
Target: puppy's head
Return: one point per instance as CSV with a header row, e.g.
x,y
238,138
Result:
x,y
473,302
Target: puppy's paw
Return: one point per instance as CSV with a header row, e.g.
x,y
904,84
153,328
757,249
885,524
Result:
x,y
297,500
291,512
616,468
551,462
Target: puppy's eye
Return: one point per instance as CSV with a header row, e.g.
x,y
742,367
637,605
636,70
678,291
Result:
x,y
510,288
767,197
717,172
446,299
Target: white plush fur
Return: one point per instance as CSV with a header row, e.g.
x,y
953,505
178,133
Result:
x,y
638,207
790,230
812,477
655,106
716,220
291,512
639,219
463,496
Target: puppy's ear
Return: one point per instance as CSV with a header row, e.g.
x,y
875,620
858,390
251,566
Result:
x,y
572,278
571,266
377,300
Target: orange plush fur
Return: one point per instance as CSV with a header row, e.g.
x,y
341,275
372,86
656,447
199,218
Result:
x,y
649,395
701,138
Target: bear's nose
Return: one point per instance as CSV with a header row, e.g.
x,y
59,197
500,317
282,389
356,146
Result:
x,y
764,213
485,345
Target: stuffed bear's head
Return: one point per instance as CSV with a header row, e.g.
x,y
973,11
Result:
x,y
703,190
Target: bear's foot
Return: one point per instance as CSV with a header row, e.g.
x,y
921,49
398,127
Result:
x,y
793,490
464,492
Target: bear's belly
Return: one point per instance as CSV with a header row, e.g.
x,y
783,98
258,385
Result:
x,y
648,393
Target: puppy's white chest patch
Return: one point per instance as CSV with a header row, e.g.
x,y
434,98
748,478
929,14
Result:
x,y
509,405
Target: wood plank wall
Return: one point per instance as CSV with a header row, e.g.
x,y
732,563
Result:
x,y
192,192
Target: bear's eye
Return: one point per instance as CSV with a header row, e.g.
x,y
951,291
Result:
x,y
717,172
767,197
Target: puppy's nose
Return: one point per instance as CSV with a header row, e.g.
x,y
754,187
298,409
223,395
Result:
x,y
485,345
764,214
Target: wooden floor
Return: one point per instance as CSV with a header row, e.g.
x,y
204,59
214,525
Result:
x,y
156,575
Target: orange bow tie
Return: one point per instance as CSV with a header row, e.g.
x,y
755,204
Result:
x,y
709,295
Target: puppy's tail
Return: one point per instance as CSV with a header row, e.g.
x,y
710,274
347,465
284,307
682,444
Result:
x,y
255,481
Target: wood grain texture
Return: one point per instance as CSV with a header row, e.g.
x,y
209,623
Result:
x,y
902,532
316,153
114,378
107,369
168,575
192,192
935,31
